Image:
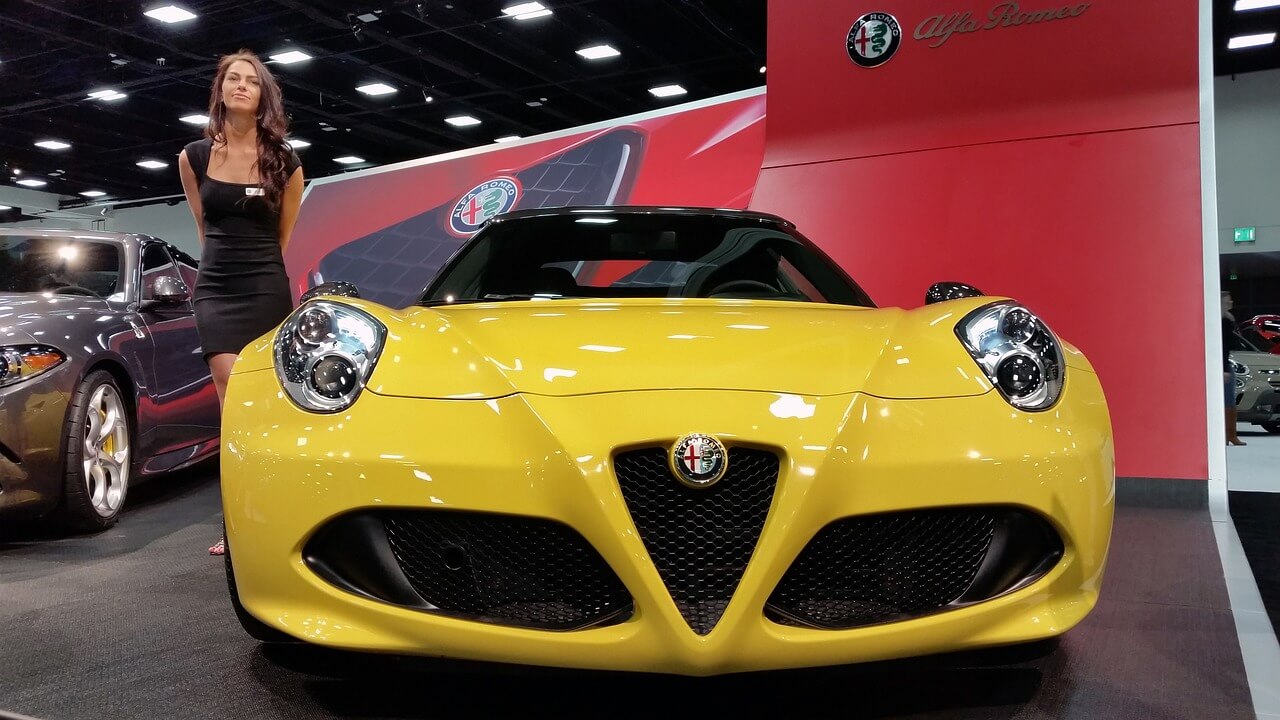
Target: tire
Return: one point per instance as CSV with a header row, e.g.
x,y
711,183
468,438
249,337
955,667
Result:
x,y
98,455
256,628
1273,428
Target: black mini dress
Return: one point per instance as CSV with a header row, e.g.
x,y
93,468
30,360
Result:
x,y
241,290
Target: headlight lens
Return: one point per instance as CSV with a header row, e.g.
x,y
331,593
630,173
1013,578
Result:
x,y
1018,353
23,362
325,353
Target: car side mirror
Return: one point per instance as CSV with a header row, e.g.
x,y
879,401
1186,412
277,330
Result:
x,y
166,291
336,287
943,291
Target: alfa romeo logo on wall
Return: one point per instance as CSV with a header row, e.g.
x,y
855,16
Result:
x,y
481,203
873,39
699,461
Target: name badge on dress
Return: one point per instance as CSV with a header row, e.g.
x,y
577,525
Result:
x,y
253,191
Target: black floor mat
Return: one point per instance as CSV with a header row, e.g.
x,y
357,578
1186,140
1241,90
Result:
x,y
1257,519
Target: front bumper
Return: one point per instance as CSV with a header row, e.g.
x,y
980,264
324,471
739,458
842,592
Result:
x,y
1259,401
32,421
287,474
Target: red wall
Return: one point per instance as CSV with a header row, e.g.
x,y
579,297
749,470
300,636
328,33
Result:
x,y
1055,162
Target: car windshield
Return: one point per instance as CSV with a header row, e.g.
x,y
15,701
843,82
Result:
x,y
62,265
603,254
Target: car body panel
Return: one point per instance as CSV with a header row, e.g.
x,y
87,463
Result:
x,y
1258,391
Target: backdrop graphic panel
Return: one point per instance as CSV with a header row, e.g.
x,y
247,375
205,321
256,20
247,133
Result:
x,y
1052,160
390,231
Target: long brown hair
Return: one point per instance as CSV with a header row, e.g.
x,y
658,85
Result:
x,y
273,151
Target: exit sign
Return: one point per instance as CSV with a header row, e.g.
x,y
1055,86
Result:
x,y
1244,234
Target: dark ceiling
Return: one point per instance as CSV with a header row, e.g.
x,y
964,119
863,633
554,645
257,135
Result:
x,y
519,77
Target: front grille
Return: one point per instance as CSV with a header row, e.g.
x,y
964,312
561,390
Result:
x,y
527,572
700,540
881,568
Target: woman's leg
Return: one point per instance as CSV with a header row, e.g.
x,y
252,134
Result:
x,y
220,366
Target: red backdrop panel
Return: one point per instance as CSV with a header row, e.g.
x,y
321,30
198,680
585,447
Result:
x,y
1054,162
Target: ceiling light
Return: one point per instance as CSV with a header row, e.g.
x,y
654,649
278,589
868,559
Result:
x,y
108,95
292,56
170,14
53,145
762,69
368,17
195,119
1247,41
599,52
1256,4
32,182
462,121
507,138
93,193
667,90
5,207
298,143
152,164
349,159
526,11
376,89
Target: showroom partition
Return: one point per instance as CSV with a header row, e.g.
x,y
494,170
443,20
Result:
x,y
1043,151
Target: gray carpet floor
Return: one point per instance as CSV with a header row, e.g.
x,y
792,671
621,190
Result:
x,y
135,623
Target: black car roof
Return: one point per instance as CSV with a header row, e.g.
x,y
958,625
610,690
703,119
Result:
x,y
642,210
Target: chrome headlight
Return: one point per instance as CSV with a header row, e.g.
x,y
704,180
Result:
x,y
23,362
325,353
1018,353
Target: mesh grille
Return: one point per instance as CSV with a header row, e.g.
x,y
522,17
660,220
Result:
x,y
866,570
699,540
394,265
504,569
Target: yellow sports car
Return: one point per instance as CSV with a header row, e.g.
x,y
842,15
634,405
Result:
x,y
663,440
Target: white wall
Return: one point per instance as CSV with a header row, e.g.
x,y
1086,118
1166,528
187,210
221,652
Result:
x,y
167,222
1247,140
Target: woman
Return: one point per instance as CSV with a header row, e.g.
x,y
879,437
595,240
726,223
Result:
x,y
244,185
1229,372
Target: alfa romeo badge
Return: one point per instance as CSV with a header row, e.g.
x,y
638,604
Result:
x,y
699,461
873,39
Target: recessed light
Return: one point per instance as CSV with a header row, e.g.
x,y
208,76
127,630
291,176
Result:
x,y
507,138
93,193
349,159
462,121
1256,4
53,145
108,95
526,11
762,67
195,119
290,57
32,182
599,52
152,164
298,143
376,89
1247,41
170,14
367,17
667,90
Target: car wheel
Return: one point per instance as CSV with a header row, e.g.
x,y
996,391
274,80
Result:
x,y
1273,428
256,628
99,455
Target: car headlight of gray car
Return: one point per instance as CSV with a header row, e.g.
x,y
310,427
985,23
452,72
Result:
x,y
23,362
1018,353
325,353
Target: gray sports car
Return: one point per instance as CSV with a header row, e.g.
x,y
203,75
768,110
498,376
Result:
x,y
102,380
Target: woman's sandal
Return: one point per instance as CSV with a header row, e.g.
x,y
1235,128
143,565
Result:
x,y
219,548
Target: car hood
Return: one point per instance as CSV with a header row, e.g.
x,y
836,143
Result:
x,y
1257,359
575,347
